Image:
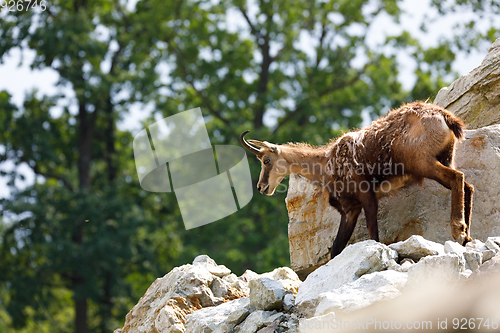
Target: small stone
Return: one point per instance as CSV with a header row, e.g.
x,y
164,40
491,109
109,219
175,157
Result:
x,y
211,265
474,259
204,260
276,317
291,324
288,302
254,322
394,266
417,247
219,288
492,245
487,255
248,276
476,245
405,266
454,247
271,328
218,319
286,276
465,274
489,268
266,294
495,239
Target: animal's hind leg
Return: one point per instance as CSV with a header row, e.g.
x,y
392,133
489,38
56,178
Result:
x,y
468,193
453,180
347,224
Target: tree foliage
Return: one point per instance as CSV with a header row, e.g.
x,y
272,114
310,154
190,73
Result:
x,y
81,245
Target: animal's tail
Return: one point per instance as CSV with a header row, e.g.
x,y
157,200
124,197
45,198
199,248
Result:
x,y
455,124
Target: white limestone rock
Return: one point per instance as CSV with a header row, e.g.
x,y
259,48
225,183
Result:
x,y
219,319
288,278
406,266
354,261
184,290
474,259
255,321
288,302
495,239
366,290
211,265
466,274
476,245
454,247
492,243
487,255
266,294
491,268
445,269
417,247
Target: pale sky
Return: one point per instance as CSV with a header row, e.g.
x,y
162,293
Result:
x,y
17,78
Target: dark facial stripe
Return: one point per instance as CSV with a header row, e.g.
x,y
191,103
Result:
x,y
265,176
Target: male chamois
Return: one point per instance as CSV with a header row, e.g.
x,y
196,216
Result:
x,y
409,144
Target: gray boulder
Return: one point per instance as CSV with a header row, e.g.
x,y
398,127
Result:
x,y
266,294
475,97
442,269
417,247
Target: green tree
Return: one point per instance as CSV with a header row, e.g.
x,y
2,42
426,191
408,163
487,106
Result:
x,y
85,235
82,226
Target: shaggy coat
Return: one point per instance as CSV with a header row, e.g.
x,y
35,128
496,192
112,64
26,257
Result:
x,y
413,142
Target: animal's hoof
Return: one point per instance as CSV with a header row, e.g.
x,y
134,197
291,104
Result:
x,y
463,239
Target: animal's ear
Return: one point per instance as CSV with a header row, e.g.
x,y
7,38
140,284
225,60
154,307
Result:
x,y
257,143
267,145
275,149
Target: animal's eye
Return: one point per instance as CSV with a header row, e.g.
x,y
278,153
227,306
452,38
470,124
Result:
x,y
267,161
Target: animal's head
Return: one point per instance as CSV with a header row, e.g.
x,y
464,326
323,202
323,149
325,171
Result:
x,y
274,166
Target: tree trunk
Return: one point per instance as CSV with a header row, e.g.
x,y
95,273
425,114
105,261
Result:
x,y
81,325
110,141
85,135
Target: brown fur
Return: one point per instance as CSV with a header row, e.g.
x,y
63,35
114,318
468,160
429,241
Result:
x,y
413,142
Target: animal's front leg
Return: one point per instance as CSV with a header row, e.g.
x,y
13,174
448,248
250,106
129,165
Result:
x,y
347,224
370,205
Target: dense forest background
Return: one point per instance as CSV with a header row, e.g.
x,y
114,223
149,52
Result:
x,y
81,245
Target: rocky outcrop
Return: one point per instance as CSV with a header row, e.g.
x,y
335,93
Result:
x,y
205,297
365,291
411,211
433,307
355,261
380,296
475,97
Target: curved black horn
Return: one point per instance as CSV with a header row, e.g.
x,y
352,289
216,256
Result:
x,y
247,145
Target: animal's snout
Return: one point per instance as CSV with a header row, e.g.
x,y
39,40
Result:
x,y
262,188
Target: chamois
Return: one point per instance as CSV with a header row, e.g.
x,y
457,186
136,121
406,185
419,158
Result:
x,y
413,142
